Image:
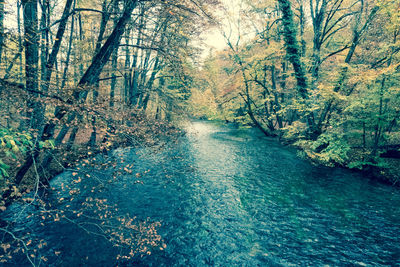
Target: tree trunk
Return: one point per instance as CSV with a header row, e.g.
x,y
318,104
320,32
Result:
x,y
1,29
317,16
100,59
67,60
114,59
20,44
105,16
30,14
293,53
127,65
56,46
277,105
133,89
44,45
292,48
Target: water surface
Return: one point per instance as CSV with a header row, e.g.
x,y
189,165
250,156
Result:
x,y
229,197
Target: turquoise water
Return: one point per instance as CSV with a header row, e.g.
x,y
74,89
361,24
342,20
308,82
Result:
x,y
229,197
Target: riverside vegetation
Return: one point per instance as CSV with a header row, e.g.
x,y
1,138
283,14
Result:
x,y
322,75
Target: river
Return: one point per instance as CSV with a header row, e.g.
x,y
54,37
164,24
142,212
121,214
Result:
x,y
229,197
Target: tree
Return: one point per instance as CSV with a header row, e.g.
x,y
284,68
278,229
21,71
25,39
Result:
x,y
292,47
31,43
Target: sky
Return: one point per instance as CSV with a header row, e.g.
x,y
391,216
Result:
x,y
213,38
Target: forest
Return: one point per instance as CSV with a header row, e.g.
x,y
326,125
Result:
x,y
323,76
80,80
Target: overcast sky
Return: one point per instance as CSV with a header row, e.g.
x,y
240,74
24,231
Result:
x,y
213,38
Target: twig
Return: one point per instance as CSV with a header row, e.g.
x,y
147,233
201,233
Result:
x,y
21,241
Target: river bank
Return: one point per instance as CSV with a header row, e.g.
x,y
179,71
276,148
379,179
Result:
x,y
355,159
385,171
146,133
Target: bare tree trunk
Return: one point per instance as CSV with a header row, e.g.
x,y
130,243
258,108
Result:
x,y
56,46
378,126
277,104
126,70
67,60
44,45
1,29
317,16
133,90
20,75
114,59
30,14
302,18
105,17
